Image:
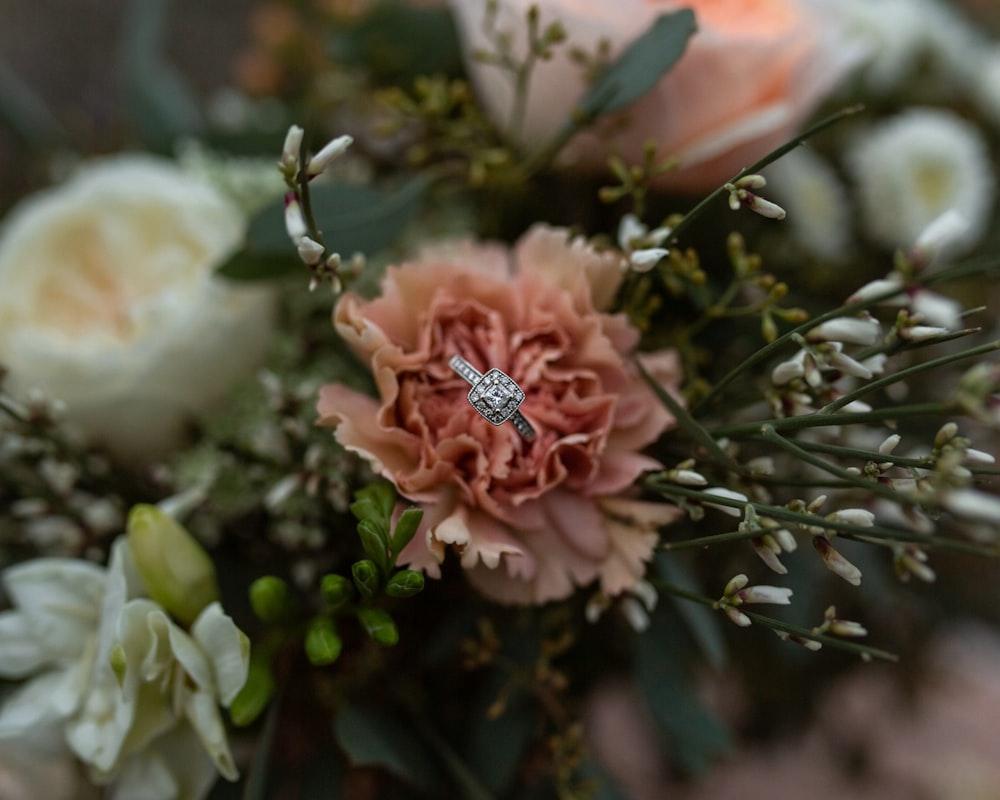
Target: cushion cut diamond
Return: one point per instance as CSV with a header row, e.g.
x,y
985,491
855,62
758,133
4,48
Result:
x,y
496,396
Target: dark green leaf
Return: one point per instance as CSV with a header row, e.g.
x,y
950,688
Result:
x,y
496,747
366,578
373,540
407,526
374,739
25,112
323,643
256,692
256,786
640,67
396,42
336,590
353,218
160,104
702,623
405,583
696,738
379,625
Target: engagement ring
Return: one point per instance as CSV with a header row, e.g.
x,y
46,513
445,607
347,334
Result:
x,y
495,395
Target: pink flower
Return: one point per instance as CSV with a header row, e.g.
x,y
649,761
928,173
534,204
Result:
x,y
751,74
531,520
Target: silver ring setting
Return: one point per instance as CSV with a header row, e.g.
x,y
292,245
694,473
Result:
x,y
495,395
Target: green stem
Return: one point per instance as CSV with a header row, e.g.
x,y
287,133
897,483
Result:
x,y
847,530
688,423
909,372
829,420
771,157
862,650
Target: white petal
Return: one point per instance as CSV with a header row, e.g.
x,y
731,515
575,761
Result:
x,y
30,706
60,600
203,714
226,647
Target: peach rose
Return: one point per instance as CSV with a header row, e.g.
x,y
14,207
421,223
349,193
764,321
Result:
x,y
751,74
531,520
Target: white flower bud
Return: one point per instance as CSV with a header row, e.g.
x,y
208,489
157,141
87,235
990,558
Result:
x,y
854,516
889,444
295,224
645,260
921,333
972,504
776,595
729,495
835,562
855,330
310,251
291,149
331,151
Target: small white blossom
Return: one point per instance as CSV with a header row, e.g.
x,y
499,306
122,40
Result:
x,y
290,150
310,251
836,562
942,234
331,151
295,224
854,516
972,504
920,333
853,330
728,494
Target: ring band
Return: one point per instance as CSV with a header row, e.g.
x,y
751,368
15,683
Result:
x,y
495,395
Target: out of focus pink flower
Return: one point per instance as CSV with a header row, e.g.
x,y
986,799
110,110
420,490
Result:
x,y
531,520
751,74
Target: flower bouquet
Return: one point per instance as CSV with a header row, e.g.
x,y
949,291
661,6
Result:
x,y
426,414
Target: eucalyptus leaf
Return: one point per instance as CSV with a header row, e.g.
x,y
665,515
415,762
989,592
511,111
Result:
x,y
640,67
371,738
24,112
354,218
702,623
696,738
161,105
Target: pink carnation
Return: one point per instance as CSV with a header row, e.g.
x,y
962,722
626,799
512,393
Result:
x,y
530,520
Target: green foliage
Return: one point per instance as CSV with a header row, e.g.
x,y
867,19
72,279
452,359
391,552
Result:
x,y
397,41
695,737
366,578
640,67
379,625
270,599
323,643
374,739
160,104
405,583
355,218
337,591
256,692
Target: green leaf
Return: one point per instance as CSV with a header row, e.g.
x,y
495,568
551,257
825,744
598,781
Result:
x,y
366,578
353,218
405,583
256,692
337,590
702,623
161,105
640,67
26,113
696,738
374,739
396,42
374,543
406,528
256,787
323,643
379,626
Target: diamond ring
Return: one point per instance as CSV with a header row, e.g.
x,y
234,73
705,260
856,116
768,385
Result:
x,y
495,395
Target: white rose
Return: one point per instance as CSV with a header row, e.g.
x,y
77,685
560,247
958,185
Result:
x,y
108,301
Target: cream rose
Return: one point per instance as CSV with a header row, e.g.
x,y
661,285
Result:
x,y
749,77
108,302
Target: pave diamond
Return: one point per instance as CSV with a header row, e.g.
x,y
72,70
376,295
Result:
x,y
496,396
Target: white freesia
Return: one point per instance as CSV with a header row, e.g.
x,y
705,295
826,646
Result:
x,y
136,696
108,301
